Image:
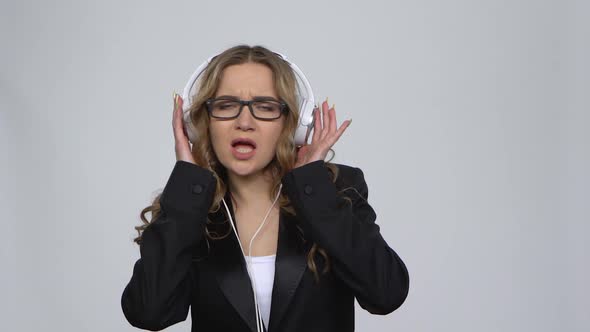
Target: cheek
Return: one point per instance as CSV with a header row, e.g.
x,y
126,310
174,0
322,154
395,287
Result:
x,y
276,135
217,138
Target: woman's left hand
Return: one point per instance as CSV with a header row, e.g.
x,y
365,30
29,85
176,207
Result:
x,y
324,136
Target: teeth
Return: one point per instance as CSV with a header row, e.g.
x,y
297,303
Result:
x,y
244,149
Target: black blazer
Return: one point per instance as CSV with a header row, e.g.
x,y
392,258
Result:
x,y
176,270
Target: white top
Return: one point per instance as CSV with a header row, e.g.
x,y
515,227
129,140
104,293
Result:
x,y
263,268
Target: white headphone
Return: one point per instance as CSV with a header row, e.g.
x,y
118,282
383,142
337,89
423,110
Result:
x,y
306,103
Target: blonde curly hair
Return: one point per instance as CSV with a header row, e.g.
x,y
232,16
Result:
x,y
285,157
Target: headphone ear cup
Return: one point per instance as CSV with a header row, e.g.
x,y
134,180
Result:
x,y
305,122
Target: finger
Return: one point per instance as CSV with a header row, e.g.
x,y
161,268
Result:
x,y
328,121
174,112
324,120
333,122
178,122
180,102
316,126
342,128
181,115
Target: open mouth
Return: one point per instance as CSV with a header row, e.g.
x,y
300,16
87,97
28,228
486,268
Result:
x,y
243,148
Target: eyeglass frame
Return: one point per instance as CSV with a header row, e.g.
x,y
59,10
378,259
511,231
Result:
x,y
209,102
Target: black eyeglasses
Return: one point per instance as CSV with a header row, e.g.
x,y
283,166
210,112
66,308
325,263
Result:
x,y
261,109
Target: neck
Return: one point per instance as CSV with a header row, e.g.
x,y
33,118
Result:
x,y
251,191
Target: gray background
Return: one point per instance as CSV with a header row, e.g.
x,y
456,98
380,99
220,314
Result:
x,y
470,121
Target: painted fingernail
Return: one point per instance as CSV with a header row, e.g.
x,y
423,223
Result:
x,y
333,105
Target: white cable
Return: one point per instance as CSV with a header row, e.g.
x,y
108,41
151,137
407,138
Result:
x,y
247,267
254,236
248,260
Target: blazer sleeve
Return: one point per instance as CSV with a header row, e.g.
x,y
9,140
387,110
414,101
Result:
x,y
360,256
159,292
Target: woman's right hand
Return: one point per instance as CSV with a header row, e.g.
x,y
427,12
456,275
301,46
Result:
x,y
182,145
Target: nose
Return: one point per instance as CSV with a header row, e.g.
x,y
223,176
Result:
x,y
245,121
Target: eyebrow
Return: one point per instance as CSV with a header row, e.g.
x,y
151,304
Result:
x,y
254,98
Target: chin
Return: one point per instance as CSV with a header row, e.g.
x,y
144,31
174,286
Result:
x,y
244,167
242,170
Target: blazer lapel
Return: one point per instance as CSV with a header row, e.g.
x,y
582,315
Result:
x,y
290,264
229,267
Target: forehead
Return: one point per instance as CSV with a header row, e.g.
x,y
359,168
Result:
x,y
246,80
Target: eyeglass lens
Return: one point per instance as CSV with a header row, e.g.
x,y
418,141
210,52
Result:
x,y
231,108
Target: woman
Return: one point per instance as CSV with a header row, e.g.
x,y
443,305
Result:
x,y
317,246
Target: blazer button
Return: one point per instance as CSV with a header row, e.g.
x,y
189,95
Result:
x,y
197,189
308,189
